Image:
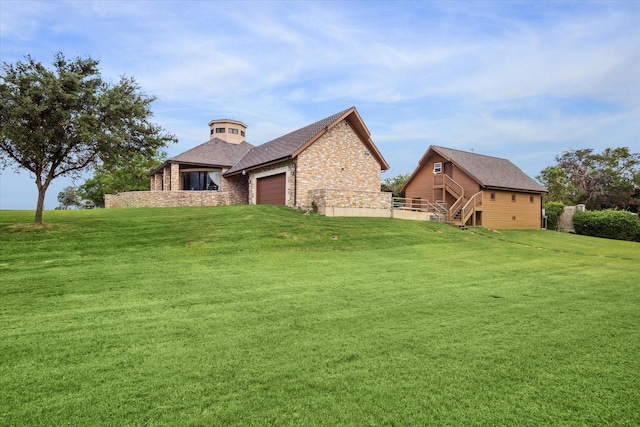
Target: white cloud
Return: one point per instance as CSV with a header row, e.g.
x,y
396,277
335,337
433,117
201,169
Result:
x,y
513,79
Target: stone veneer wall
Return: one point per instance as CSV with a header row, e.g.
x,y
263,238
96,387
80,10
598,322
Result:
x,y
339,160
237,188
351,199
175,177
166,178
153,199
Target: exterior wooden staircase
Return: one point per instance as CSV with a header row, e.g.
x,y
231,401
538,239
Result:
x,y
458,214
463,208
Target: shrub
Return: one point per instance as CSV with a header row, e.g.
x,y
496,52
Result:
x,y
610,224
553,210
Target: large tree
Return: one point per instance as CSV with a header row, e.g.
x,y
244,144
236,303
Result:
x,y
394,184
129,175
69,197
599,180
61,121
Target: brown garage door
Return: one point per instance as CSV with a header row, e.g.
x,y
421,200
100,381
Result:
x,y
271,190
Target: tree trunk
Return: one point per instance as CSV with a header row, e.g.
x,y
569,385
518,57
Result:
x,y
42,190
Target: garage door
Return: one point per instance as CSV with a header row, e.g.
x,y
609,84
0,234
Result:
x,y
271,190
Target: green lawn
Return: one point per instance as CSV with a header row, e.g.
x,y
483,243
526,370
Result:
x,y
257,315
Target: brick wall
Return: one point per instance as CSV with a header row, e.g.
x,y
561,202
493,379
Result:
x,y
175,177
141,199
238,189
350,199
166,178
337,160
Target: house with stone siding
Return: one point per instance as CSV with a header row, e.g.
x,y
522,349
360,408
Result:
x,y
332,165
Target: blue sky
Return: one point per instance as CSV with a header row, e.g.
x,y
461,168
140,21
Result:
x,y
519,80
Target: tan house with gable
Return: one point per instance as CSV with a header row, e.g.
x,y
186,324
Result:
x,y
331,164
473,189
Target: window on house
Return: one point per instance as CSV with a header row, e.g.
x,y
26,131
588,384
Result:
x,y
233,131
201,180
530,199
241,133
211,132
437,167
513,197
493,196
219,130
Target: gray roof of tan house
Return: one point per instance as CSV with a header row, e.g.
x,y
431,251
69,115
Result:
x,y
214,152
489,172
291,144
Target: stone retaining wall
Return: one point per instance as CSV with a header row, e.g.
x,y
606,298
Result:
x,y
350,199
351,203
155,199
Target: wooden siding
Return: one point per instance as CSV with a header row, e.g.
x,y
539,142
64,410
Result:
x,y
469,185
503,213
422,186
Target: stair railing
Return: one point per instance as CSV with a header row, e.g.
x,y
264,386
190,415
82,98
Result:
x,y
453,187
470,207
422,205
455,208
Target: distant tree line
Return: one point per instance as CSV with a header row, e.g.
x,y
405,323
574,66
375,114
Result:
x,y
607,180
394,184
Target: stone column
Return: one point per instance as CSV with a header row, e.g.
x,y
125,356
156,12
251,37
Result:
x,y
175,177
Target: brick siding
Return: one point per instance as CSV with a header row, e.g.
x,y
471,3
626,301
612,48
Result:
x,y
156,199
350,199
335,171
337,160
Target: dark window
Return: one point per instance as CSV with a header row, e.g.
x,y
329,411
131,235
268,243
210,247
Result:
x,y
211,131
513,197
493,196
530,199
219,130
201,181
241,133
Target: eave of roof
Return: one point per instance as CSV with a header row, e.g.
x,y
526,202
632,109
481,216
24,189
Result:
x,y
292,144
213,153
487,171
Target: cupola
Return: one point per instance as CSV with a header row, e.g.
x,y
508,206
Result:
x,y
231,131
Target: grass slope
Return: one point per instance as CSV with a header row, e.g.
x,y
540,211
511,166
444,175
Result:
x,y
258,315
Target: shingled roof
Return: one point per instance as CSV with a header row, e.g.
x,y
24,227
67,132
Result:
x,y
214,152
489,172
291,144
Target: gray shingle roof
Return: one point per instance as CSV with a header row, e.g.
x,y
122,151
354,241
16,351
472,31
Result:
x,y
214,152
284,146
491,172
